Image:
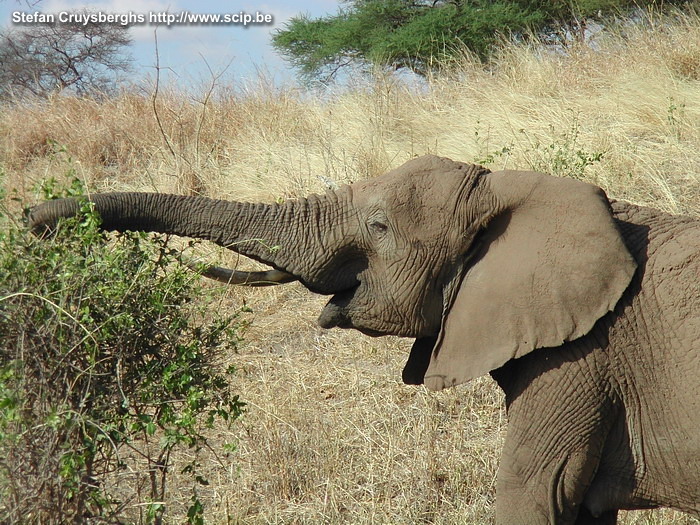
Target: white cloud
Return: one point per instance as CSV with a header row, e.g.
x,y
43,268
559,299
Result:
x,y
139,33
183,46
110,6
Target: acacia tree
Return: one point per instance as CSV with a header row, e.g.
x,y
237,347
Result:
x,y
43,59
421,35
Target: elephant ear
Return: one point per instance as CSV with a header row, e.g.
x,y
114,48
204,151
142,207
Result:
x,y
550,263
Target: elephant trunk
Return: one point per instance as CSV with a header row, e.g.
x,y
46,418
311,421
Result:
x,y
280,235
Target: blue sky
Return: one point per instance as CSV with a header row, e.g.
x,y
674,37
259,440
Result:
x,y
183,48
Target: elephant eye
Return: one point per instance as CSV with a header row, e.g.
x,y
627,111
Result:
x,y
378,227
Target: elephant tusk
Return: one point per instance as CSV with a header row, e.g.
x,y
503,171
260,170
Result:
x,y
266,278
225,275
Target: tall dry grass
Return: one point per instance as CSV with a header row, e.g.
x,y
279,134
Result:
x,y
331,435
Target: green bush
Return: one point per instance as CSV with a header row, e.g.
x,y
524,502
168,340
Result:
x,y
107,368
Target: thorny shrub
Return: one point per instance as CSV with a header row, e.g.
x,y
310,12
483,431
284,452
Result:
x,y
103,359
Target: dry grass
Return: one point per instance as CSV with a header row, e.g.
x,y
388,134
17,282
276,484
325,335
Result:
x,y
331,435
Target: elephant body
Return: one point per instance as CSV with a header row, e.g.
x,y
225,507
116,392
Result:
x,y
586,313
628,435
656,337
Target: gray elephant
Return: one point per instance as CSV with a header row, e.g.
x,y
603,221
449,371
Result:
x,y
586,313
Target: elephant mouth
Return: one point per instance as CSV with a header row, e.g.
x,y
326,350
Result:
x,y
338,313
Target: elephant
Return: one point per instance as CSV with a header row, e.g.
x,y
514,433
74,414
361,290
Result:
x,y
585,311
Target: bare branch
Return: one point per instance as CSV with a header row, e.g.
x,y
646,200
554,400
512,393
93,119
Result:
x,y
43,59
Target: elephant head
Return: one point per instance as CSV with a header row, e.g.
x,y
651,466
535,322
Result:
x,y
478,267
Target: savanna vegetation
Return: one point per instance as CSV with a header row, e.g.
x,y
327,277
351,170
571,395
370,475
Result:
x,y
110,376
423,35
330,434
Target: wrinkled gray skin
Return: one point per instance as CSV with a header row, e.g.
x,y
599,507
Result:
x,y
587,315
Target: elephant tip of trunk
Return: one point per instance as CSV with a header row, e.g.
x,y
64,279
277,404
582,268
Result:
x,y
37,225
42,219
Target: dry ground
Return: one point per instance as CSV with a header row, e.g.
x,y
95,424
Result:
x,y
331,434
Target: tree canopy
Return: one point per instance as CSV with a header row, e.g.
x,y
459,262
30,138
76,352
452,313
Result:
x,y
422,34
49,58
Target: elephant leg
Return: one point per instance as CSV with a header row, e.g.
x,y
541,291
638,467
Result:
x,y
586,518
550,493
558,424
